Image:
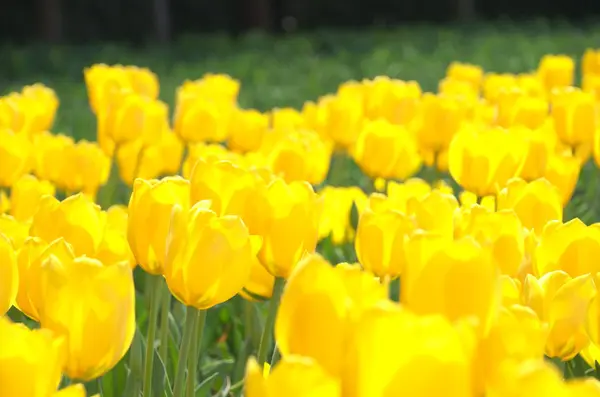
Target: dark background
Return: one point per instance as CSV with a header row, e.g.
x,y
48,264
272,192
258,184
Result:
x,y
143,21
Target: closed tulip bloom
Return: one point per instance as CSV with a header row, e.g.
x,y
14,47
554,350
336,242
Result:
x,y
293,206
47,102
392,351
502,233
14,230
562,302
494,83
385,150
571,247
260,283
30,360
395,100
297,155
114,247
337,208
518,335
29,261
200,119
536,203
556,71
435,212
563,172
78,304
209,153
472,74
77,219
574,116
399,194
532,85
208,257
483,161
541,144
143,81
344,120
26,194
288,119
86,168
103,82
9,283
283,379
246,130
593,317
150,208
15,157
49,155
530,378
529,112
317,309
380,238
436,270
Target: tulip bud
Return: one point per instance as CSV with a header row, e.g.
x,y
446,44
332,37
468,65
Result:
x,y
15,160
9,282
26,195
208,258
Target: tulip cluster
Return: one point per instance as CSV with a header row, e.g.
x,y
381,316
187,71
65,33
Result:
x,y
379,241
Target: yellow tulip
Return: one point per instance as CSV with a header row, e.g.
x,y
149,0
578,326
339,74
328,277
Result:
x,y
511,290
287,119
47,102
297,155
49,158
114,247
529,112
9,283
209,153
385,150
437,268
471,74
344,120
399,194
29,261
593,317
30,360
494,84
15,157
570,247
283,379
14,230
439,118
531,84
483,161
198,119
293,206
394,100
260,284
26,195
392,351
150,208
143,81
574,116
380,238
541,143
584,387
318,306
563,172
561,302
337,208
556,71
246,130
590,62
518,335
85,168
434,212
77,219
208,257
536,203
103,83
77,304
531,378
502,233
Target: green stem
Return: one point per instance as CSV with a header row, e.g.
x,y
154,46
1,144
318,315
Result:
x,y
154,285
165,308
194,359
276,355
186,342
249,324
265,339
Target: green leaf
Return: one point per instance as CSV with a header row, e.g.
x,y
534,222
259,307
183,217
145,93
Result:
x,y
160,377
205,386
225,388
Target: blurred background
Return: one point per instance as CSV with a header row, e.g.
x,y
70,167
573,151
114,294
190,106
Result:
x,y
284,52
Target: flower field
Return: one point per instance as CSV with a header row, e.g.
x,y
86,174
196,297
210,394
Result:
x,y
407,226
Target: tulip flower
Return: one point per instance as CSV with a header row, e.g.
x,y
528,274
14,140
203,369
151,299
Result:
x,y
574,117
103,82
561,302
556,71
246,130
198,118
30,361
77,304
150,210
434,212
394,100
344,120
535,203
385,150
49,158
85,168
201,237
483,161
283,380
380,238
317,309
286,119
293,206
570,247
392,350
260,283
26,195
457,279
337,208
15,157
529,378
541,143
29,261
563,172
143,81
471,74
14,230
9,283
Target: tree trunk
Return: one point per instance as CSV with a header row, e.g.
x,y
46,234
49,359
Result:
x,y
162,21
50,15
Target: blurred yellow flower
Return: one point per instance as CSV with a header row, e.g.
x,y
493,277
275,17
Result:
x,y
9,282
